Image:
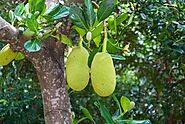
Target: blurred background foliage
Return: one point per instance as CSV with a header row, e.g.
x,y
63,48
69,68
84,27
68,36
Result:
x,y
152,73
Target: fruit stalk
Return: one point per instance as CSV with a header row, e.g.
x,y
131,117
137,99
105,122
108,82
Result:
x,y
105,38
80,41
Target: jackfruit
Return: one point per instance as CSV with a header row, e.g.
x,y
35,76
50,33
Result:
x,y
77,70
7,55
103,75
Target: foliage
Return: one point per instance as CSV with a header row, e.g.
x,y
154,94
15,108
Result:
x,y
20,97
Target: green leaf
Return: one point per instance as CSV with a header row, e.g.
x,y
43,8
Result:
x,y
32,23
125,103
113,46
104,113
63,12
116,2
87,114
63,38
77,17
137,121
40,5
121,18
105,9
27,8
92,54
81,119
56,12
90,14
74,121
81,31
19,56
32,45
52,10
181,26
97,40
36,5
97,31
28,33
19,9
130,19
66,40
117,102
111,22
118,57
4,101
32,5
12,17
141,122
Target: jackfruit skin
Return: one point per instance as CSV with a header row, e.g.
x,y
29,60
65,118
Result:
x,y
103,75
7,55
77,70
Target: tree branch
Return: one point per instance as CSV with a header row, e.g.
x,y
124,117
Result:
x,y
7,31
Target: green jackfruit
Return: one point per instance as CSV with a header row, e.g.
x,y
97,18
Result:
x,y
103,75
77,70
7,55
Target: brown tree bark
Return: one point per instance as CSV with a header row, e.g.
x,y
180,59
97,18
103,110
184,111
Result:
x,y
49,65
50,71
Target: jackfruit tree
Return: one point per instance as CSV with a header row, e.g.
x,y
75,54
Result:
x,y
41,31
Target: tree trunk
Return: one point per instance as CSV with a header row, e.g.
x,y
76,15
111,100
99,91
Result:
x,y
50,71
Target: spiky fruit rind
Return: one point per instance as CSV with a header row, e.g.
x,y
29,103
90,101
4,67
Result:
x,y
7,55
103,75
77,70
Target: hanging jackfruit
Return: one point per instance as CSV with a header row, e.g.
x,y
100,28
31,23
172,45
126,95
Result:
x,y
7,55
77,70
103,74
